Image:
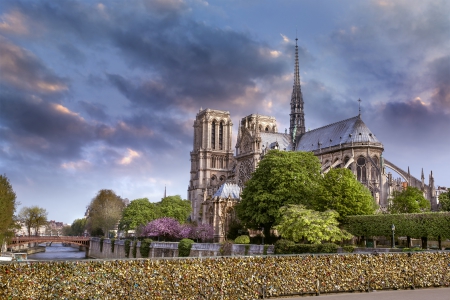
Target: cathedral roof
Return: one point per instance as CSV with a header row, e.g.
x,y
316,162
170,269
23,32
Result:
x,y
351,130
228,189
268,140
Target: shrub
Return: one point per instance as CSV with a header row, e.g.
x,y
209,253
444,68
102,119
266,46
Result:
x,y
328,248
349,248
242,239
127,248
247,247
135,248
265,249
145,247
101,244
184,247
113,242
284,247
225,249
304,248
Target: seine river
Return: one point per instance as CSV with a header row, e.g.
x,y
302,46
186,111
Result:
x,y
58,252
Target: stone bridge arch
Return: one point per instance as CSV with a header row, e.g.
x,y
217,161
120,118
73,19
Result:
x,y
23,240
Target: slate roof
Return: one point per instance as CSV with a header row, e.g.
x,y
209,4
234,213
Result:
x,y
228,189
342,132
268,139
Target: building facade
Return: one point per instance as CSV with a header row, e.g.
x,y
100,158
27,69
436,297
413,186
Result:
x,y
217,176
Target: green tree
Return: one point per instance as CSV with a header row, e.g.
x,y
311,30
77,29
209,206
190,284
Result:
x,y
175,207
78,226
444,200
105,211
8,208
138,212
410,200
33,217
67,230
298,223
344,194
281,178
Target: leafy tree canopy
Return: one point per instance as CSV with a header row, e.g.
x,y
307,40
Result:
x,y
297,223
342,192
105,211
444,200
281,178
138,212
8,208
33,217
410,200
78,226
175,207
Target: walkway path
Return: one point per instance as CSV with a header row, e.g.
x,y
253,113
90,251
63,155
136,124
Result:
x,y
419,294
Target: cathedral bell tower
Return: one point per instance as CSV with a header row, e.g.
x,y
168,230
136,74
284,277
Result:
x,y
297,115
211,157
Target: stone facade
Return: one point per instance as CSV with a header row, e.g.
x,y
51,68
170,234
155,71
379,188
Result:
x,y
345,144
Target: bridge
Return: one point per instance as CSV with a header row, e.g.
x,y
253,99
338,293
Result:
x,y
23,240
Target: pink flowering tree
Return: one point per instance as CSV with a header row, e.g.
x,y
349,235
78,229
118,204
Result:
x,y
167,228
203,232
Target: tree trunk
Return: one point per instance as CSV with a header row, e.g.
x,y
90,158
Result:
x,y
424,242
408,242
439,243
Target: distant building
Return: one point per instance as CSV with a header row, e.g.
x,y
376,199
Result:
x,y
217,174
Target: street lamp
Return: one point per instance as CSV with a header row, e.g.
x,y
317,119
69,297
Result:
x,y
393,232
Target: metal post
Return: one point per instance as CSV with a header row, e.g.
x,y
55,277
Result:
x,y
393,233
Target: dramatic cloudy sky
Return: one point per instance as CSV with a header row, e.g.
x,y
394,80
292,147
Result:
x,y
97,95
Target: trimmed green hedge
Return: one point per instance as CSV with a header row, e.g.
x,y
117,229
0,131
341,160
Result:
x,y
435,224
184,247
127,248
145,247
242,239
289,247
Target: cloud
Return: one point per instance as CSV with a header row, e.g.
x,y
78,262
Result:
x,y
22,69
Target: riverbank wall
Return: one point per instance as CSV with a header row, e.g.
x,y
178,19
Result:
x,y
237,277
105,250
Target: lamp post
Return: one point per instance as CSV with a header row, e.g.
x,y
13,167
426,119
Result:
x,y
393,232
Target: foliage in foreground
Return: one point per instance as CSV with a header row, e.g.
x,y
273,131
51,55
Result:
x,y
289,247
298,223
8,208
408,201
169,228
242,239
184,247
343,193
281,178
413,225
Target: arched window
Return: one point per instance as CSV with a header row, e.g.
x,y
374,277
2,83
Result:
x,y
361,169
211,216
374,174
221,136
267,129
213,135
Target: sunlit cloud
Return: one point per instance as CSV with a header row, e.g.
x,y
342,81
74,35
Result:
x,y
13,22
285,38
129,158
64,110
76,165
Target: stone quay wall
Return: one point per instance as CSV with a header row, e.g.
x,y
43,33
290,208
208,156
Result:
x,y
236,277
170,249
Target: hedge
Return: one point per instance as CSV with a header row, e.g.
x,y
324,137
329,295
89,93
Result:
x,y
145,247
242,239
184,247
413,225
289,247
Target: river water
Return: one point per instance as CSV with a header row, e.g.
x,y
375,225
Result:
x,y
58,252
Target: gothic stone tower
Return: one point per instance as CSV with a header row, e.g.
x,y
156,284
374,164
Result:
x,y
211,157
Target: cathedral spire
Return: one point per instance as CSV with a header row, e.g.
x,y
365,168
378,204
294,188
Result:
x,y
297,116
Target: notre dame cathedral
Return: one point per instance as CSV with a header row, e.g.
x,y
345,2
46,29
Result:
x,y
218,173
